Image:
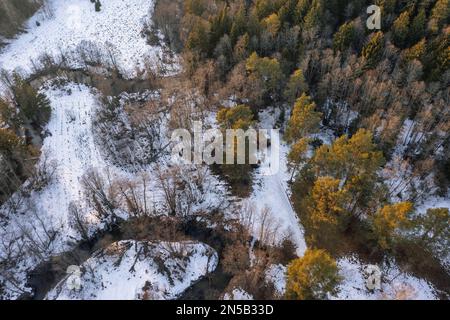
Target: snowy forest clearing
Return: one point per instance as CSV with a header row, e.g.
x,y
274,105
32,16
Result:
x,y
66,26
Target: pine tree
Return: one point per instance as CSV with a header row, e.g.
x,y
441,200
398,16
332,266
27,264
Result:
x,y
295,87
301,10
198,39
433,229
440,15
388,6
314,276
373,50
33,106
304,119
314,17
254,28
327,202
238,117
264,8
389,220
417,30
237,175
400,29
297,156
287,12
220,25
268,72
344,37
239,25
437,57
98,5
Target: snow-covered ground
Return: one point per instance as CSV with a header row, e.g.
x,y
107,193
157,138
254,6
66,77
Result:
x,y
238,294
129,270
276,274
271,191
71,146
68,151
395,284
433,203
398,173
116,28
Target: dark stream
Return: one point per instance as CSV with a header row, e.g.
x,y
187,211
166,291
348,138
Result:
x,y
49,273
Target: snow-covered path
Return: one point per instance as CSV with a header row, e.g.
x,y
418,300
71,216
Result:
x,y
71,147
271,191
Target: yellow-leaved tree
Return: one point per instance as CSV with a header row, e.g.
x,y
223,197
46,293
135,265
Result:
x,y
297,156
238,117
328,201
267,72
389,220
304,119
349,157
354,162
296,86
272,24
314,276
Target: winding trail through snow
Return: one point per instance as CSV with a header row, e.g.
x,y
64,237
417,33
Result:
x,y
70,146
271,191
